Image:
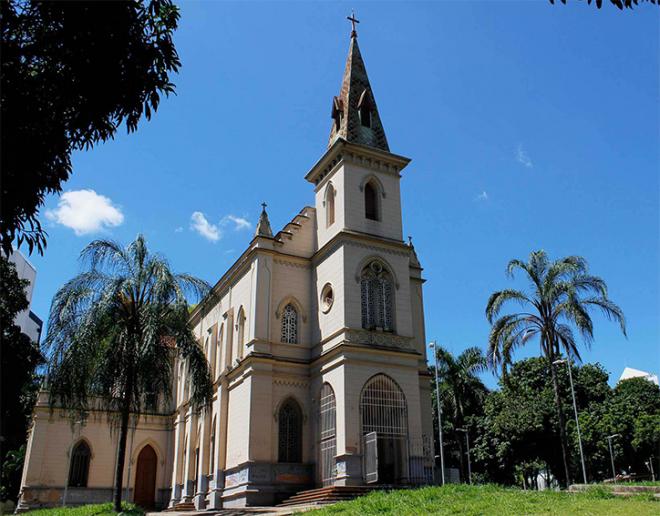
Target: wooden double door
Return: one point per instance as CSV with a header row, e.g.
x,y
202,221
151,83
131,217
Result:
x,y
145,478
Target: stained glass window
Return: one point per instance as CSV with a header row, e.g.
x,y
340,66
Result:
x,y
290,324
377,298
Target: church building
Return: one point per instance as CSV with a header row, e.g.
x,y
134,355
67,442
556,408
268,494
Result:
x,y
315,341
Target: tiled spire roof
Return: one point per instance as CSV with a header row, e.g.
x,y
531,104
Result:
x,y
263,226
355,102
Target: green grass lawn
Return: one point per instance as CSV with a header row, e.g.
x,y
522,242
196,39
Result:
x,y
473,500
88,510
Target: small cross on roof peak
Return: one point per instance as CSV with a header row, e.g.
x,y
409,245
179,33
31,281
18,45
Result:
x,y
353,21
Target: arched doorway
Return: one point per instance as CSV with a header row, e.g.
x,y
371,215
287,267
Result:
x,y
145,478
385,431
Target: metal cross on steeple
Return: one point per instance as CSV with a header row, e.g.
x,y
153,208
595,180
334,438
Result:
x,y
353,21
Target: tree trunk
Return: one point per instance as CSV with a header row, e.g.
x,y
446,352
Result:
x,y
562,425
121,452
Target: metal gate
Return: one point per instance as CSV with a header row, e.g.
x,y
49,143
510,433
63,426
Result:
x,y
384,414
327,435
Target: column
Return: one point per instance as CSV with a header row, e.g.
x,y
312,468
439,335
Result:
x,y
203,465
189,465
220,409
176,466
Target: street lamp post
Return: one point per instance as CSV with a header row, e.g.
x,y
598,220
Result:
x,y
649,464
609,442
575,410
467,440
433,345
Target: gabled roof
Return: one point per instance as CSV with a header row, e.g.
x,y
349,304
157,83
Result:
x,y
356,95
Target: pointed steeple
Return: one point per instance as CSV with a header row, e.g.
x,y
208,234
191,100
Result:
x,y
354,112
263,226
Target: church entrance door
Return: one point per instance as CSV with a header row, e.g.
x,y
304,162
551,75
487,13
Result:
x,y
145,478
385,432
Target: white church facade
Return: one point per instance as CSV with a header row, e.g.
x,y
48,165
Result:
x,y
315,340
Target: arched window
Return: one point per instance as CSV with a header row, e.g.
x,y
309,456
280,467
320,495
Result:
x,y
79,470
371,201
290,432
289,325
327,435
377,298
241,333
329,205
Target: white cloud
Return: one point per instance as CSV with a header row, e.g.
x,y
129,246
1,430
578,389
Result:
x,y
239,222
483,196
522,157
209,231
179,229
85,212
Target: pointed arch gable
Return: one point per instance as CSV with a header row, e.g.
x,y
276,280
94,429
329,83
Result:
x,y
290,299
148,441
376,182
375,258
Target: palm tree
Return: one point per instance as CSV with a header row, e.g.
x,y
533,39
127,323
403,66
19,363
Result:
x,y
113,333
560,297
461,390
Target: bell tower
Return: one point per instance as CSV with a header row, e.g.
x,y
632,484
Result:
x,y
357,180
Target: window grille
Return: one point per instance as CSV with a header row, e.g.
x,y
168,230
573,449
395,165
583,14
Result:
x,y
79,470
377,298
383,408
290,432
327,431
289,325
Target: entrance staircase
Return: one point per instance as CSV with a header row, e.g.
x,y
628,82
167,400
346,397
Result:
x,y
181,507
326,495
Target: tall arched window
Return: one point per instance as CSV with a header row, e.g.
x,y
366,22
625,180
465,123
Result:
x,y
377,298
241,333
371,201
327,435
329,205
79,470
290,432
290,324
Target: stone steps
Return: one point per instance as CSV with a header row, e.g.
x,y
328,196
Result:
x,y
326,495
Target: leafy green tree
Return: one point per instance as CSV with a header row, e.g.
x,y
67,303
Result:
x,y
462,394
72,73
621,4
646,439
114,331
520,420
560,296
20,358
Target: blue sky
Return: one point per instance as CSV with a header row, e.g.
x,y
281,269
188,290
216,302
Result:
x,y
529,125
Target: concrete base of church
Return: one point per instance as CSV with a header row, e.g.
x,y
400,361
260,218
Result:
x,y
36,497
263,484
349,470
176,495
200,496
